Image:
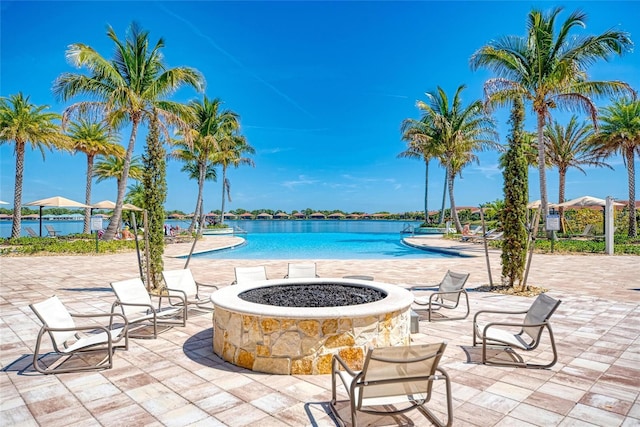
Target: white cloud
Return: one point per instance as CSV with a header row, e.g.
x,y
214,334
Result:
x,y
302,180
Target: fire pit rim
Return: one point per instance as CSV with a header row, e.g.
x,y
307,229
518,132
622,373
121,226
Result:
x,y
228,299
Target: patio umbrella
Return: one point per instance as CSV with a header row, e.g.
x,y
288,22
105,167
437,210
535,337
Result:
x,y
105,204
130,207
2,202
108,204
536,204
57,202
586,202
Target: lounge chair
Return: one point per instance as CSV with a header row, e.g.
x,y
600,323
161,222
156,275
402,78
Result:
x,y
182,283
446,295
30,231
492,235
471,233
587,233
70,340
249,274
52,231
135,303
480,235
393,380
301,270
528,338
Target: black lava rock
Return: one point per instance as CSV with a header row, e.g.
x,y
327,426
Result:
x,y
313,295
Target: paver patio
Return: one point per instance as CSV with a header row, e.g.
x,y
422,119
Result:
x,y
176,380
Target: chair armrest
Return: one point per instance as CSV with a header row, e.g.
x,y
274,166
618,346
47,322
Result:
x,y
519,325
110,315
180,291
449,292
182,298
198,284
337,360
475,317
99,315
131,304
76,328
423,288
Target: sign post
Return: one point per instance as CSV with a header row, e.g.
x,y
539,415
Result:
x,y
609,230
96,225
553,225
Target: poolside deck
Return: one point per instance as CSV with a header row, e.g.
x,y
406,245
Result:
x,y
176,380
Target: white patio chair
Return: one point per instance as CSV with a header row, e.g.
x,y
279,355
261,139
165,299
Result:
x,y
181,283
70,340
135,303
249,274
301,270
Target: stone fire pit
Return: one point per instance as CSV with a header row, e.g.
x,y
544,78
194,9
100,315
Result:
x,y
303,339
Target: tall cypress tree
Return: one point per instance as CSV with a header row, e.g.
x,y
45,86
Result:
x,y
516,194
154,182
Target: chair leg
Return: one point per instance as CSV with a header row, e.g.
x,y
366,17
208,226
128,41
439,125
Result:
x,y
520,363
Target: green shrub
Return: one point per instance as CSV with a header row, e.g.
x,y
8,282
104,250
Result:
x,y
63,246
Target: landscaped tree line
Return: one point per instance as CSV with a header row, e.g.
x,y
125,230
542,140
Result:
x,y
130,89
547,68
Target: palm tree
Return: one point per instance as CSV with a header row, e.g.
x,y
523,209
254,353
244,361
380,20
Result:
x,y
420,145
231,150
113,167
24,123
92,138
211,125
458,132
192,168
548,68
127,88
568,147
620,133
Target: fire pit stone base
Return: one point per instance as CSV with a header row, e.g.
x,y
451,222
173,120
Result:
x,y
285,340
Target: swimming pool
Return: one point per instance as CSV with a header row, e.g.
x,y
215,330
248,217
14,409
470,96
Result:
x,y
322,246
317,243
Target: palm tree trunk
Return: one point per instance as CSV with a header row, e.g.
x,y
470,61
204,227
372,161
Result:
x,y
444,195
224,187
631,173
114,223
544,203
201,176
562,179
426,190
87,195
17,195
454,212
196,211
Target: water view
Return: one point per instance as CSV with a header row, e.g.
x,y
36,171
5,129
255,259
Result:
x,y
322,239
289,239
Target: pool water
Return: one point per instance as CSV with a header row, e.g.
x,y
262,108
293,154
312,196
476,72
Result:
x,y
320,245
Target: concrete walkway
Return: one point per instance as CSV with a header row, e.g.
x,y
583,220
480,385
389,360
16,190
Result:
x,y
176,380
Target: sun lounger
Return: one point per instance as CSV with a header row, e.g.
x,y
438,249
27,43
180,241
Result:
x,y
52,231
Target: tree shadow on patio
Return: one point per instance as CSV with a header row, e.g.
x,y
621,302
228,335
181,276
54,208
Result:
x,y
199,348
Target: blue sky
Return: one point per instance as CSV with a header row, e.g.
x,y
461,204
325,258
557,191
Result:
x,y
321,89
